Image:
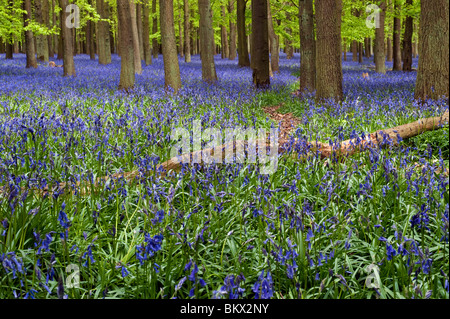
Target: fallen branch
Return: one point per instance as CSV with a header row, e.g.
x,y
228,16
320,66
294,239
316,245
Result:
x,y
346,148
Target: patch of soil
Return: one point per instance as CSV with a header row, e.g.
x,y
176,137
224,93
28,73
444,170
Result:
x,y
288,122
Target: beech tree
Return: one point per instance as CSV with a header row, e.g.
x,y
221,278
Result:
x,y
407,40
380,57
103,45
127,73
260,44
187,32
328,59
432,74
67,43
169,46
243,57
146,33
30,52
307,46
207,41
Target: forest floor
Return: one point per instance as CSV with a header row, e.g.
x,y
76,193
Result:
x,y
311,228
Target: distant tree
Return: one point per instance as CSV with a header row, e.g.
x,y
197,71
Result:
x,y
260,44
187,32
41,16
169,46
380,57
274,42
432,75
232,46
67,43
127,73
134,30
397,52
244,59
155,45
307,46
103,45
224,35
407,40
30,52
207,41
328,59
146,33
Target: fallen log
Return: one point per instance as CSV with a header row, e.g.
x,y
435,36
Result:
x,y
346,148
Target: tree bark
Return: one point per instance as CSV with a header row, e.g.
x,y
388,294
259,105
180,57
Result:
x,y
139,29
432,76
407,41
169,46
397,52
103,45
134,30
31,55
180,31
66,37
41,6
328,62
274,42
146,33
260,45
155,44
380,57
207,42
307,46
187,32
354,51
224,36
127,72
232,46
244,60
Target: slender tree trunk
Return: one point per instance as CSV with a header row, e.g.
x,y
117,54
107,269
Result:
x,y
397,52
367,47
31,55
360,52
232,46
127,73
274,42
180,30
51,47
139,28
432,76
187,32
137,54
41,6
66,36
92,38
224,36
407,41
244,59
9,50
307,46
103,45
169,46
260,45
207,42
155,45
146,33
354,51
328,62
389,50
380,57
344,51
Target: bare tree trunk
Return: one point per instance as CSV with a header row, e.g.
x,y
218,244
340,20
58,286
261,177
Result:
x,y
260,45
155,45
136,51
31,55
244,59
169,46
328,62
180,30
146,33
224,36
139,28
407,41
432,76
307,46
187,32
232,46
274,42
103,45
380,57
207,42
41,6
127,73
66,36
